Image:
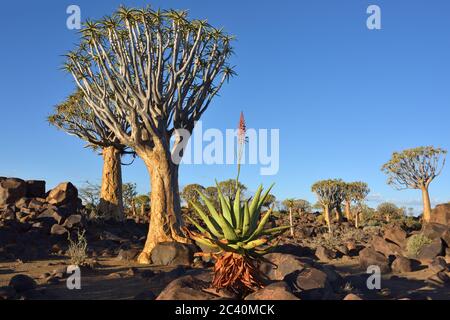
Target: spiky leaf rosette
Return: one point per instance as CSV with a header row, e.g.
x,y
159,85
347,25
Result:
x,y
238,238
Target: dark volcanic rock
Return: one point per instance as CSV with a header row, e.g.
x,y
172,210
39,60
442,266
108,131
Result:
x,y
35,189
280,265
186,288
396,235
172,253
275,291
310,284
64,193
441,214
11,190
402,265
369,257
431,251
22,283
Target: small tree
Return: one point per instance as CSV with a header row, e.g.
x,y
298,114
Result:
x,y
354,192
416,169
360,191
76,118
289,204
269,201
328,193
190,195
389,211
129,195
142,201
228,188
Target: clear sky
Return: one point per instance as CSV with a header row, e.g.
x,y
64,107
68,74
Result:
x,y
343,97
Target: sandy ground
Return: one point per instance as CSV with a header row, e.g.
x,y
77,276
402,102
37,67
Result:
x,y
121,280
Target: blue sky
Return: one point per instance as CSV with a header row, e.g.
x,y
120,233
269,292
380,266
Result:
x,y
343,97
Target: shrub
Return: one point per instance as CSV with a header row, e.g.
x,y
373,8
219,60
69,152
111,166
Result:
x,y
78,249
416,243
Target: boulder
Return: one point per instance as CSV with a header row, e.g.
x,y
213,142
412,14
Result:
x,y
402,265
145,295
369,257
293,249
434,230
310,284
275,291
22,283
431,251
11,190
441,214
438,264
279,265
64,193
386,248
352,297
35,189
396,235
172,253
186,288
58,230
325,254
50,214
72,221
127,255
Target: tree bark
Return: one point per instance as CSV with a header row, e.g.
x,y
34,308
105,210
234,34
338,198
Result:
x,y
338,213
291,222
327,215
111,201
348,210
165,208
426,205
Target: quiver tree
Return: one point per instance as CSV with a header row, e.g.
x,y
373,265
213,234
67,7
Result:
x,y
352,193
157,72
416,169
76,118
328,193
339,199
355,192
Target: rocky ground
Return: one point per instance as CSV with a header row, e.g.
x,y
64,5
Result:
x,y
34,255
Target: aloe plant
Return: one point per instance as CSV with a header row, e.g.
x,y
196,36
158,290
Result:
x,y
238,238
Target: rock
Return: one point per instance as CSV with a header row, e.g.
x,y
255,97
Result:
x,y
441,214
369,257
352,296
396,235
431,251
325,254
386,248
72,221
50,214
22,283
310,284
281,265
58,230
275,291
446,238
296,250
186,288
36,205
172,253
434,230
438,264
35,189
440,279
401,265
7,293
127,255
11,190
64,193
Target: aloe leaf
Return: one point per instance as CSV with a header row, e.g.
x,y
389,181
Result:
x,y
261,225
211,224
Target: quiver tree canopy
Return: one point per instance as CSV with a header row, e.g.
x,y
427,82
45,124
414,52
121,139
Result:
x,y
156,72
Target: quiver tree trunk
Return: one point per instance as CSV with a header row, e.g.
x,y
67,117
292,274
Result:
x,y
291,222
111,201
327,216
338,213
348,211
165,208
426,205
